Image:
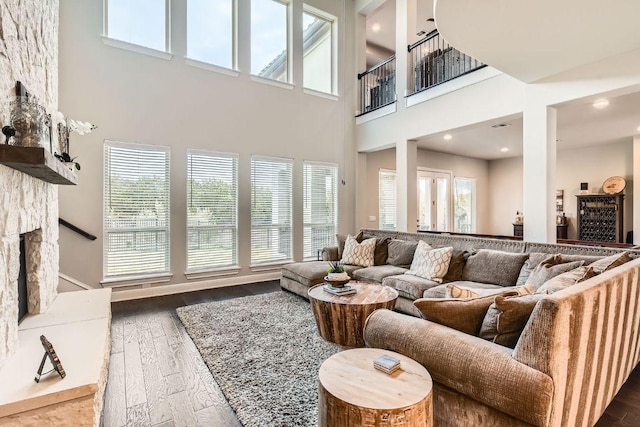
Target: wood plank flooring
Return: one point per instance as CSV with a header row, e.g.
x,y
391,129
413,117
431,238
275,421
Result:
x,y
157,377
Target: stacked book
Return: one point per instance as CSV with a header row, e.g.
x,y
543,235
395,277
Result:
x,y
387,364
345,290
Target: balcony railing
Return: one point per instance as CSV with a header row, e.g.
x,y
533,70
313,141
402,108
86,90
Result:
x,y
378,86
433,61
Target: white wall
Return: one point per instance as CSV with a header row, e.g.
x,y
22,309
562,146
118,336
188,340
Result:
x,y
588,164
459,166
138,98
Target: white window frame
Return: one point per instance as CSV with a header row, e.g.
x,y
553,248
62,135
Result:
x,y
143,277
226,268
474,198
333,20
287,83
257,265
133,47
335,192
389,172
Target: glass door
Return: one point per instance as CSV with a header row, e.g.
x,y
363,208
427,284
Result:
x,y
434,200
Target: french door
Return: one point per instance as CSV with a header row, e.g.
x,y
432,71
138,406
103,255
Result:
x,y
434,200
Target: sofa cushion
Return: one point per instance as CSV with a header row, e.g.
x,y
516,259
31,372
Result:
x,y
377,273
312,272
401,252
465,315
458,260
341,238
381,253
507,317
359,253
456,291
430,263
408,286
607,263
588,259
495,267
564,280
548,270
440,291
534,260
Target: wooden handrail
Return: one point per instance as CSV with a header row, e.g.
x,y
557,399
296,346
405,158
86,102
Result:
x,y
78,230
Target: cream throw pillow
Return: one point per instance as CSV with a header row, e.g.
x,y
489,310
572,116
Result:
x,y
455,291
358,253
430,263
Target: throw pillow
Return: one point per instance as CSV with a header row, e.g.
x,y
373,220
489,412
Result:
x,y
455,291
465,315
564,280
342,239
495,267
430,263
507,317
359,253
547,271
458,260
613,261
381,252
535,259
401,252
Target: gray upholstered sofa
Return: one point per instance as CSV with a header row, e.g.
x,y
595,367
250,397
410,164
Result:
x,y
576,350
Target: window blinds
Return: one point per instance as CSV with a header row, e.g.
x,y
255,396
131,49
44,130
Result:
x,y
271,210
212,210
387,200
320,212
136,209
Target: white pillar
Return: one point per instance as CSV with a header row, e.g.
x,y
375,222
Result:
x,y
402,13
407,185
636,190
539,172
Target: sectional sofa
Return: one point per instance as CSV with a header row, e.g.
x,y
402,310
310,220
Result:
x,y
576,349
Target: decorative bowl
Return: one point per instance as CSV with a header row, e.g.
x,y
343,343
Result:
x,y
336,283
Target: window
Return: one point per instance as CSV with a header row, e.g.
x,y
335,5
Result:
x,y
141,22
320,207
318,50
271,210
269,39
211,32
136,209
464,205
434,200
387,200
212,210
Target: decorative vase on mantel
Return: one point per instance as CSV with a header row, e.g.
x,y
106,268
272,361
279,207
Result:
x,y
28,120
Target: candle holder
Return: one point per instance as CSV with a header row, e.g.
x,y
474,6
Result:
x,y
28,120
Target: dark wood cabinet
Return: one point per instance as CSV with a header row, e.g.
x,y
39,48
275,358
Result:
x,y
561,231
600,218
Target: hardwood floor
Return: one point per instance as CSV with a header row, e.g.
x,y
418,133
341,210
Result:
x,y
157,377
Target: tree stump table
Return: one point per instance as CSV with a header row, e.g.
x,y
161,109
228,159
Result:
x,y
353,393
340,318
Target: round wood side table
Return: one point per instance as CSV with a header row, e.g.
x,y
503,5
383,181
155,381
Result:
x,y
340,318
353,393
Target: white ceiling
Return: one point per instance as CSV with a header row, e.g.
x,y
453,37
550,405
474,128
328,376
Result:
x,y
579,125
529,40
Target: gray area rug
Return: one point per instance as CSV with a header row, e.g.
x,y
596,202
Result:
x,y
264,352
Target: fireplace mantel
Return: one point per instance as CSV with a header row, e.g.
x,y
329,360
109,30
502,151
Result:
x,y
37,162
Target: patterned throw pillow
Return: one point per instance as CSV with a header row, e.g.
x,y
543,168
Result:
x,y
430,263
455,291
359,253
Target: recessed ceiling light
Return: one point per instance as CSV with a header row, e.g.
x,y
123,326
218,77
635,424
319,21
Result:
x,y
601,103
375,27
504,149
447,137
638,129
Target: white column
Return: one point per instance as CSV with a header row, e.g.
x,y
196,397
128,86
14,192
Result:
x,y
361,195
407,185
636,190
402,13
539,174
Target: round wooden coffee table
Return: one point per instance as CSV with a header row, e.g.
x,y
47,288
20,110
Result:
x,y
340,318
353,393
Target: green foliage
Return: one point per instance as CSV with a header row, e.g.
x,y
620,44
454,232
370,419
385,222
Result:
x,y
212,202
335,267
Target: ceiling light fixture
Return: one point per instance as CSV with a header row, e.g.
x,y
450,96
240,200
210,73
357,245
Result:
x,y
376,27
601,103
504,149
638,128
447,137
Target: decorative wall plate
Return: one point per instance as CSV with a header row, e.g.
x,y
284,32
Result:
x,y
614,185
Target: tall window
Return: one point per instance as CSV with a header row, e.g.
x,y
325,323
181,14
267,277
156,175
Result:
x,y
269,39
136,209
141,22
387,199
212,210
210,31
320,207
271,209
318,39
464,205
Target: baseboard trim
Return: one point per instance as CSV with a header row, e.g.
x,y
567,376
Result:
x,y
178,288
74,282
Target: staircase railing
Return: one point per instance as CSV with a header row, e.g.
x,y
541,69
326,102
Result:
x,y
77,229
433,61
378,86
